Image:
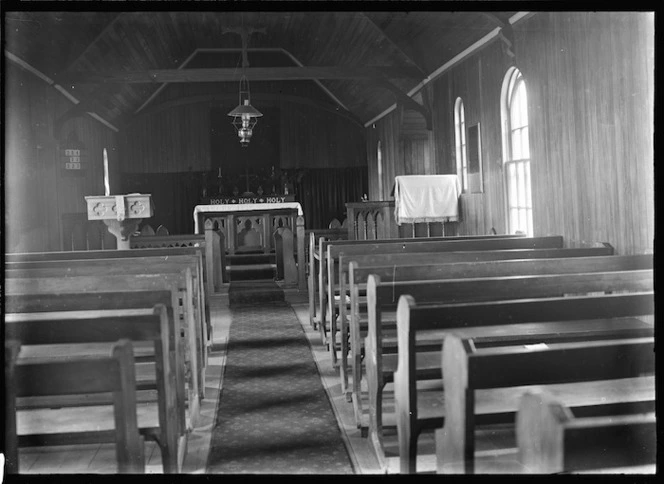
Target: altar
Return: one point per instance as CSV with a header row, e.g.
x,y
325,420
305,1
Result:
x,y
248,226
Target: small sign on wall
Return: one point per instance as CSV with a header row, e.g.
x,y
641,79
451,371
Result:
x,y
72,159
73,155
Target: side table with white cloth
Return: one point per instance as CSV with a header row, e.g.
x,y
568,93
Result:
x,y
426,199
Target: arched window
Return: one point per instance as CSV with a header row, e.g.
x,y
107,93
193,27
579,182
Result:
x,y
379,161
516,153
460,143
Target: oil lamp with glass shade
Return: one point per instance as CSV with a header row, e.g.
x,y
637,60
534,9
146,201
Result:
x,y
245,115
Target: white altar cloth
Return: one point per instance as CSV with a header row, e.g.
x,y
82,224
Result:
x,y
243,207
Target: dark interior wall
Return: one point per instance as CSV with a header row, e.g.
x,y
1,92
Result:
x,y
172,133
177,137
38,191
590,85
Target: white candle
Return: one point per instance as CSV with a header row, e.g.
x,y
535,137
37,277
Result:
x,y
107,186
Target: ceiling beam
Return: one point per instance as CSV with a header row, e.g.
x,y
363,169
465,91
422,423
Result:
x,y
234,74
17,60
261,49
506,34
256,99
407,101
394,44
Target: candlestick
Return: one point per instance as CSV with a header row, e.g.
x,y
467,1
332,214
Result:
x,y
219,175
107,186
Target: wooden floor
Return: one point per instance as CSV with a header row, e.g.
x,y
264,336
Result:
x,y
101,458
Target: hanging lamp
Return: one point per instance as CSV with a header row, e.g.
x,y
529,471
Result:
x,y
245,115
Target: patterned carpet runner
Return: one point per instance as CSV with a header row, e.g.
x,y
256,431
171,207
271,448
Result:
x,y
273,414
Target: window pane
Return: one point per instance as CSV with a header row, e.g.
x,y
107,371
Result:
x,y
526,144
523,225
513,225
511,185
516,145
514,114
521,189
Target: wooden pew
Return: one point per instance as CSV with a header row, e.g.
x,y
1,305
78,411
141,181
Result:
x,y
83,333
423,327
122,254
213,245
133,265
191,315
589,377
551,440
356,269
148,282
198,252
447,244
319,249
486,280
112,373
313,257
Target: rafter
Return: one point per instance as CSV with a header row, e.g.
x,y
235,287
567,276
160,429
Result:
x,y
506,33
101,34
407,101
233,74
260,49
395,45
244,33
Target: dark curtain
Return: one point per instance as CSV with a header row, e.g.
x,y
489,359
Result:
x,y
235,161
174,196
324,192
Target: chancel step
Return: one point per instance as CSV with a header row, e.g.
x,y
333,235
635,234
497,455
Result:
x,y
250,267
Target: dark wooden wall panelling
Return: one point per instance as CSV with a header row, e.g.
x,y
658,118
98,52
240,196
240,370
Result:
x,y
178,137
590,96
37,191
417,146
387,130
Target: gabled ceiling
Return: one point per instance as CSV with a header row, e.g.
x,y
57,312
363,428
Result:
x,y
116,62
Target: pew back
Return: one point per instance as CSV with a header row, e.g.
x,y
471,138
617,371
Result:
x,y
467,369
100,374
334,250
170,282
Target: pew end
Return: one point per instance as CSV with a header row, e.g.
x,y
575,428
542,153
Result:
x,y
551,440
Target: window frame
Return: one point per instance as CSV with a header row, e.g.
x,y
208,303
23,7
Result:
x,y
379,172
460,143
516,160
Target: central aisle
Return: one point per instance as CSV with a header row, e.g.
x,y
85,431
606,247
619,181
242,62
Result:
x,y
273,414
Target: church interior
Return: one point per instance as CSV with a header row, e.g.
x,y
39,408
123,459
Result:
x,y
367,241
